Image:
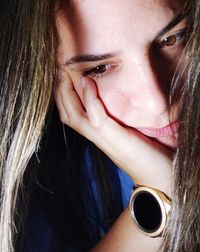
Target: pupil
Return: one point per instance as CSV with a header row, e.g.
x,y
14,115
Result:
x,y
170,41
100,69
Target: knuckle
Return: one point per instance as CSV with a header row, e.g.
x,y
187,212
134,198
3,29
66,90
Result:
x,y
64,120
99,125
74,121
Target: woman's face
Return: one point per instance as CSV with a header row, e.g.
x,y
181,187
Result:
x,y
131,49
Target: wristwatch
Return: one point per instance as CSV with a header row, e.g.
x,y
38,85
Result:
x,y
149,209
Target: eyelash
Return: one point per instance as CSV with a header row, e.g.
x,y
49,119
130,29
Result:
x,y
178,37
104,69
99,71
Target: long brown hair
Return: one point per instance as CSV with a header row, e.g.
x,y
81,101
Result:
x,y
26,80
184,227
27,75
27,54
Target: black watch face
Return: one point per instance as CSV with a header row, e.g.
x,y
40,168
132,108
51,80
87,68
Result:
x,y
147,211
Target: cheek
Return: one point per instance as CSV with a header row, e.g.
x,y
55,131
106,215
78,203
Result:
x,y
116,99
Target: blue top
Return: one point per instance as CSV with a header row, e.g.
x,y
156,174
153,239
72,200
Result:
x,y
39,234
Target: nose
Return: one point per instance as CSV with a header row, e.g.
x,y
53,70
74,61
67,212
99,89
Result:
x,y
148,95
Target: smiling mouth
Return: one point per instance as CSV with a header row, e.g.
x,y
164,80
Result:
x,y
167,131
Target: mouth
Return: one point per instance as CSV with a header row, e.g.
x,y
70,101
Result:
x,y
167,131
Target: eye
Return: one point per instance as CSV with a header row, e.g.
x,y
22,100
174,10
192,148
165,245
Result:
x,y
174,39
99,71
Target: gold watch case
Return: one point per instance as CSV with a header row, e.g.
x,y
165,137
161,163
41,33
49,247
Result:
x,y
163,202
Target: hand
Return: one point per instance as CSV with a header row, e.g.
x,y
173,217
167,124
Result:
x,y
147,162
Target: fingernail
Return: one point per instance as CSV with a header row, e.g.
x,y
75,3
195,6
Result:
x,y
83,82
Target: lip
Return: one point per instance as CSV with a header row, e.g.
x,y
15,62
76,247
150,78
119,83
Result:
x,y
169,130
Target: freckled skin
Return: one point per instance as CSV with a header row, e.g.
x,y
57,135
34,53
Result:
x,y
136,94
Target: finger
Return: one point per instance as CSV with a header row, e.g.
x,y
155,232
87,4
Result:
x,y
68,102
125,146
70,99
71,110
109,129
93,105
106,125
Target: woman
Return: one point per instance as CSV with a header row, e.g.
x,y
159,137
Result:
x,y
7,189
136,100
130,72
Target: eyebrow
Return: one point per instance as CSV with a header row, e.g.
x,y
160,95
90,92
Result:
x,y
176,20
92,57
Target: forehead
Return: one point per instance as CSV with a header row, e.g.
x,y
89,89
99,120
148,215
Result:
x,y
103,24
